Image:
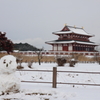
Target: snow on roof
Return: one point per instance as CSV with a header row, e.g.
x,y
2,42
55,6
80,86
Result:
x,y
3,32
62,32
64,42
59,42
90,43
76,30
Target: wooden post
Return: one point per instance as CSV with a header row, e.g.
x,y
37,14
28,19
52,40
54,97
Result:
x,y
54,77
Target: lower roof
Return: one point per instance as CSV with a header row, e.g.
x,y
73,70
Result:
x,y
70,41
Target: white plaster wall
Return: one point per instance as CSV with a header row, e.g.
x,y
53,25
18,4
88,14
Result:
x,y
70,47
59,47
55,47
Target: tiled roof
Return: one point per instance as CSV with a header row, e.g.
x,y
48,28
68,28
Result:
x,y
71,29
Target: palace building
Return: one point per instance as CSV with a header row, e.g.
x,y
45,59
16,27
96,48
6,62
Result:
x,y
72,39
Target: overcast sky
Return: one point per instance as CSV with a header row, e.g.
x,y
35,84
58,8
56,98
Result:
x,y
33,21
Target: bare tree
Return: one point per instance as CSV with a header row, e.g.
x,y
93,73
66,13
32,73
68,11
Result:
x,y
19,62
39,55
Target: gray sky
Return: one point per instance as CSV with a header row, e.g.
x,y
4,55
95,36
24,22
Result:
x,y
33,21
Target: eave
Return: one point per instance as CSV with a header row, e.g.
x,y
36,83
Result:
x,y
70,42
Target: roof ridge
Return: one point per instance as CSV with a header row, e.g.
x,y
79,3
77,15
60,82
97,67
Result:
x,y
74,27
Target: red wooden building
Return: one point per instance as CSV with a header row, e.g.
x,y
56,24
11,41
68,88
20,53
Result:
x,y
72,39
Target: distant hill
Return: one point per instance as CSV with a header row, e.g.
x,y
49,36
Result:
x,y
24,47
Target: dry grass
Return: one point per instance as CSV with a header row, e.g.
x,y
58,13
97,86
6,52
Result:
x,y
46,58
30,58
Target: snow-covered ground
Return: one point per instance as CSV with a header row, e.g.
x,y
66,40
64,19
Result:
x,y
44,91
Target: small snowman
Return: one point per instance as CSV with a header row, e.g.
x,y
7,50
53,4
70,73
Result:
x,y
8,81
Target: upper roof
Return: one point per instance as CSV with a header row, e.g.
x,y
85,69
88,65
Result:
x,y
70,29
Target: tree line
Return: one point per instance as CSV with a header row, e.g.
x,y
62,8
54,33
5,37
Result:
x,y
24,47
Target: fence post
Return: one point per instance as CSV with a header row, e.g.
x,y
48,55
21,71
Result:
x,y
54,77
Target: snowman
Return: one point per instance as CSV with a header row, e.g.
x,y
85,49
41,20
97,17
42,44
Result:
x,y
8,81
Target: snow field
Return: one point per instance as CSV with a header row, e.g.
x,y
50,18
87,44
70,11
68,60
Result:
x,y
44,91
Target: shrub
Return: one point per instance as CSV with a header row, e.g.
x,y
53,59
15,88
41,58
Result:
x,y
30,64
61,61
72,62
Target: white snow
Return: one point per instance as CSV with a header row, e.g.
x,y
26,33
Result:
x,y
73,59
90,43
44,91
60,42
62,32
